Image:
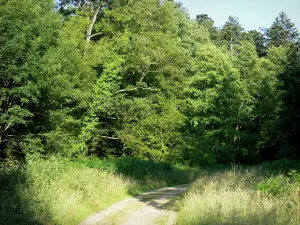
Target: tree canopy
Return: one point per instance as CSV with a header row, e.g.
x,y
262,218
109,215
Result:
x,y
139,77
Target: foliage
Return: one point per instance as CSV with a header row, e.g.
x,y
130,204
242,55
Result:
x,y
282,31
140,78
25,36
259,41
215,105
289,117
205,21
232,32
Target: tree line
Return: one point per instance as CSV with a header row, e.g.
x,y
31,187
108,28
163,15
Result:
x,y
139,77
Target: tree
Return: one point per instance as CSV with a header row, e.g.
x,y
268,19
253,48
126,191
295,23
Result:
x,y
91,10
231,32
215,105
25,35
282,31
143,65
68,77
201,18
289,125
259,76
259,41
205,21
139,77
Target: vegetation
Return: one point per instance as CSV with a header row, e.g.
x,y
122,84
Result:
x,y
140,78
100,99
258,195
59,191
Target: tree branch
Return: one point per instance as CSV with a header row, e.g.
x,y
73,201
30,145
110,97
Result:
x,y
89,31
7,127
136,88
96,34
143,76
111,138
146,71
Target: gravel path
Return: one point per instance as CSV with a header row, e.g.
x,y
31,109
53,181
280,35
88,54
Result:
x,y
150,208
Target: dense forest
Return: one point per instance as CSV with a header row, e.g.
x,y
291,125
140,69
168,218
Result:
x,y
141,78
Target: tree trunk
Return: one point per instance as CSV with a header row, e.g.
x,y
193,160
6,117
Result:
x,y
90,29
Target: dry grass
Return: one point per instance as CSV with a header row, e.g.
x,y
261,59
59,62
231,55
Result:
x,y
58,191
70,193
232,198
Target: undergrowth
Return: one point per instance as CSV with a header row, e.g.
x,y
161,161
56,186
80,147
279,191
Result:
x,y
261,195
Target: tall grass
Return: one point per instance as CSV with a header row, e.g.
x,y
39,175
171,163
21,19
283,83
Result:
x,y
58,191
242,197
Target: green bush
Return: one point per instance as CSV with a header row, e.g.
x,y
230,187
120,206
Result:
x,y
274,185
282,176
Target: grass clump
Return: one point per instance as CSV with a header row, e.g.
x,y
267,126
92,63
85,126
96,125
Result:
x,y
252,196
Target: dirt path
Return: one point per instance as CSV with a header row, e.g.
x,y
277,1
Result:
x,y
151,208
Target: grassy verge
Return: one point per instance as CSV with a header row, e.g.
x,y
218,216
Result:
x,y
268,194
58,191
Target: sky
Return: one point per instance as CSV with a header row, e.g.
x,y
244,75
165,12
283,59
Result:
x,y
252,14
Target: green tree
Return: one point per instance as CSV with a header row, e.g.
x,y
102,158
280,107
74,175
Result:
x,y
202,18
25,35
215,104
231,32
289,125
140,73
282,31
205,21
259,76
259,41
68,78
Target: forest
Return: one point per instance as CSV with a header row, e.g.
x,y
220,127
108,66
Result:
x,y
92,82
140,78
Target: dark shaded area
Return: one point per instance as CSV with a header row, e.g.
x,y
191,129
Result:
x,y
289,124
282,166
14,207
143,170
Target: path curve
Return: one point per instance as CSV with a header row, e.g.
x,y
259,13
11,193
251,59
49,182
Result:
x,y
153,207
